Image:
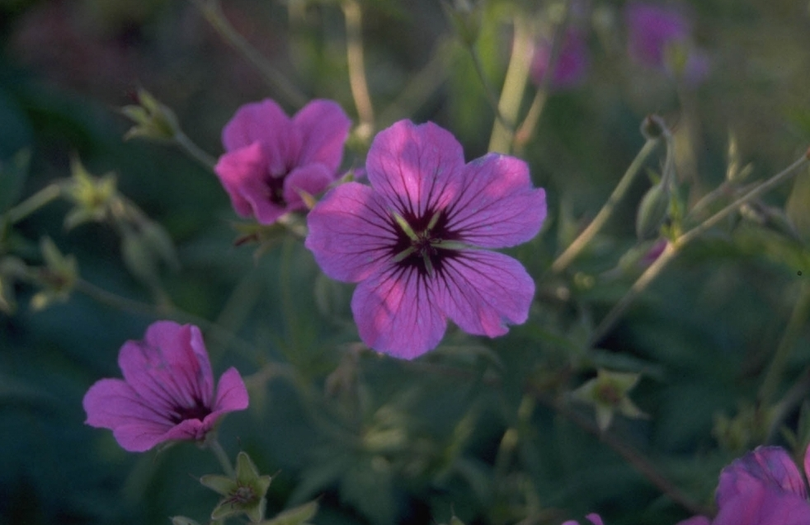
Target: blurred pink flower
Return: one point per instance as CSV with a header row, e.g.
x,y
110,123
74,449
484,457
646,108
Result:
x,y
764,487
571,66
167,392
651,29
270,157
416,240
593,518
654,31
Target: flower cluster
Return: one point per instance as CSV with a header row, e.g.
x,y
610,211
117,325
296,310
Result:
x,y
167,393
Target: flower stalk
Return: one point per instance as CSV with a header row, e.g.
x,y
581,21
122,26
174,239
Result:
x,y
357,73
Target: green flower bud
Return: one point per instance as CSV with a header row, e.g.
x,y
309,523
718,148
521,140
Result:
x,y
608,394
57,278
152,119
93,197
244,493
652,212
653,127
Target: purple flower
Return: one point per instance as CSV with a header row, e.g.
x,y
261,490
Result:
x,y
416,240
764,487
571,66
167,392
270,158
593,518
651,29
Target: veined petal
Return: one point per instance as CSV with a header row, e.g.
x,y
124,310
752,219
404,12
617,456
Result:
x,y
766,467
169,367
483,291
311,178
396,313
493,203
350,233
324,127
410,166
110,403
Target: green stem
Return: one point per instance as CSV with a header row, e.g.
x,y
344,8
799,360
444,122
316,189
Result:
x,y
357,73
673,248
212,12
211,442
796,323
194,151
33,203
576,247
514,85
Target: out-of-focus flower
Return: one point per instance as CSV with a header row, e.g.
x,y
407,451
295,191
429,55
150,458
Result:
x,y
608,393
418,240
271,159
661,37
167,393
764,487
593,518
571,66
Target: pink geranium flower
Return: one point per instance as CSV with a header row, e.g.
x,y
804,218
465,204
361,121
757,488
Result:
x,y
167,392
571,66
651,29
417,240
270,158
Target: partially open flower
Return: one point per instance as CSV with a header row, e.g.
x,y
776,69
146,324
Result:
x,y
571,65
271,159
167,393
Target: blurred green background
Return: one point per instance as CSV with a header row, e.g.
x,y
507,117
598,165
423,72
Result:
x,y
472,428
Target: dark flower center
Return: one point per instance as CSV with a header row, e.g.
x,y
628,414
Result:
x,y
275,189
198,411
423,242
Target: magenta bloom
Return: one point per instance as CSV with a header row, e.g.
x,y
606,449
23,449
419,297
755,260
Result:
x,y
593,518
270,157
167,392
651,29
764,487
417,240
571,66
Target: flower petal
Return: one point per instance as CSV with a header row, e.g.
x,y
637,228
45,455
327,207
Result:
x,y
170,367
493,203
113,404
696,520
242,173
350,233
266,123
411,165
396,313
312,178
324,127
231,392
765,467
482,291
763,507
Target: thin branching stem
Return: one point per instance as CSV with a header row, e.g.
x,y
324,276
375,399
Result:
x,y
587,235
672,249
212,11
33,203
194,152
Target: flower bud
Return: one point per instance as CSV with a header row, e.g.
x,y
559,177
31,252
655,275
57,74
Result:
x,y
57,278
608,394
653,127
652,212
152,119
93,197
244,492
